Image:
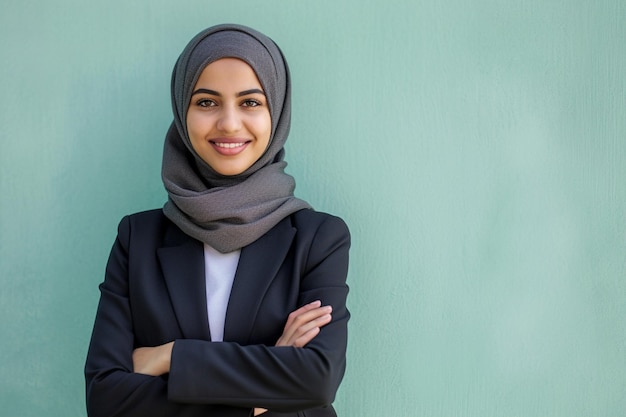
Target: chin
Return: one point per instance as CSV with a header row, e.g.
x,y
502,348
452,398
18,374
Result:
x,y
230,171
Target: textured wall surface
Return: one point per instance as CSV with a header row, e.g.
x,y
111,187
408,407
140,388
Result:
x,y
476,149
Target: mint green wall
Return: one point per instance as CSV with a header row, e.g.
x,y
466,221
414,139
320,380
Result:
x,y
476,149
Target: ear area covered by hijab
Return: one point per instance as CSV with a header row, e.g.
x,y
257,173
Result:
x,y
229,212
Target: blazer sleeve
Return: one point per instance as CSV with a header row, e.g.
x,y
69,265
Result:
x,y
112,387
281,379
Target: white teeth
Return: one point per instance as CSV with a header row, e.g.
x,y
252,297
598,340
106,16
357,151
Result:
x,y
229,145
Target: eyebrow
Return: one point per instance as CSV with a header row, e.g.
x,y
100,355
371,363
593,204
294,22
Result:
x,y
215,93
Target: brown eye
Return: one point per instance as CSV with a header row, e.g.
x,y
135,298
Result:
x,y
250,102
205,102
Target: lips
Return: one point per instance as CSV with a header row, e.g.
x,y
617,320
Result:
x,y
229,146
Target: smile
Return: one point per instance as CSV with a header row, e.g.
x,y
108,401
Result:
x,y
229,145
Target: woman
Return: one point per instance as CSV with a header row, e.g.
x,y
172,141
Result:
x,y
230,301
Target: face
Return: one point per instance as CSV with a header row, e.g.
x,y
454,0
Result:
x,y
228,119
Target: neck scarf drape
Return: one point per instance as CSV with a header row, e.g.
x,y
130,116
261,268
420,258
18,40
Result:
x,y
229,212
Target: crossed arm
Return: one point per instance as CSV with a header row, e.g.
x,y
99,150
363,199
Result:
x,y
180,377
302,326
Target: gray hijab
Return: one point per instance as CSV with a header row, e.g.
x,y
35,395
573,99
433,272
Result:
x,y
229,212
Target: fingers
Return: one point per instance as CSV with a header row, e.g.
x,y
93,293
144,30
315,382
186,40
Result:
x,y
304,324
304,333
142,357
305,308
302,320
306,337
153,361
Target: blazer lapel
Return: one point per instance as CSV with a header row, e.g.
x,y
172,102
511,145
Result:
x,y
259,263
182,261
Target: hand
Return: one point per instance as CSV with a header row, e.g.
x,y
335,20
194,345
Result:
x,y
153,361
304,324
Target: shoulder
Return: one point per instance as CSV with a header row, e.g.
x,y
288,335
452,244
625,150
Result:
x,y
321,241
309,219
146,227
154,216
144,220
311,224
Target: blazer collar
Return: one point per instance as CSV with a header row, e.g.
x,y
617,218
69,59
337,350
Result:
x,y
258,265
182,261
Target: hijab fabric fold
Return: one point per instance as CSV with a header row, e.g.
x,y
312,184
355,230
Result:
x,y
229,212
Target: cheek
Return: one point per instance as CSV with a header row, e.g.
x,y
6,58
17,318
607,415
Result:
x,y
264,127
192,124
198,125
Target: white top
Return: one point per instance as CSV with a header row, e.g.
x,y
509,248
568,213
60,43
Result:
x,y
219,272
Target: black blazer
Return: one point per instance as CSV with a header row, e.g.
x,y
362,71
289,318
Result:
x,y
154,292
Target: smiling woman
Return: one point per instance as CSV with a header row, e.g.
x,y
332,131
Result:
x,y
231,300
228,120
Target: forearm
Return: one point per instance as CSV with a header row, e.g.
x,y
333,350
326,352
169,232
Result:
x,y
126,394
277,378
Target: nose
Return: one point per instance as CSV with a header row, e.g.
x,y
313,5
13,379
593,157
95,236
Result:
x,y
229,120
